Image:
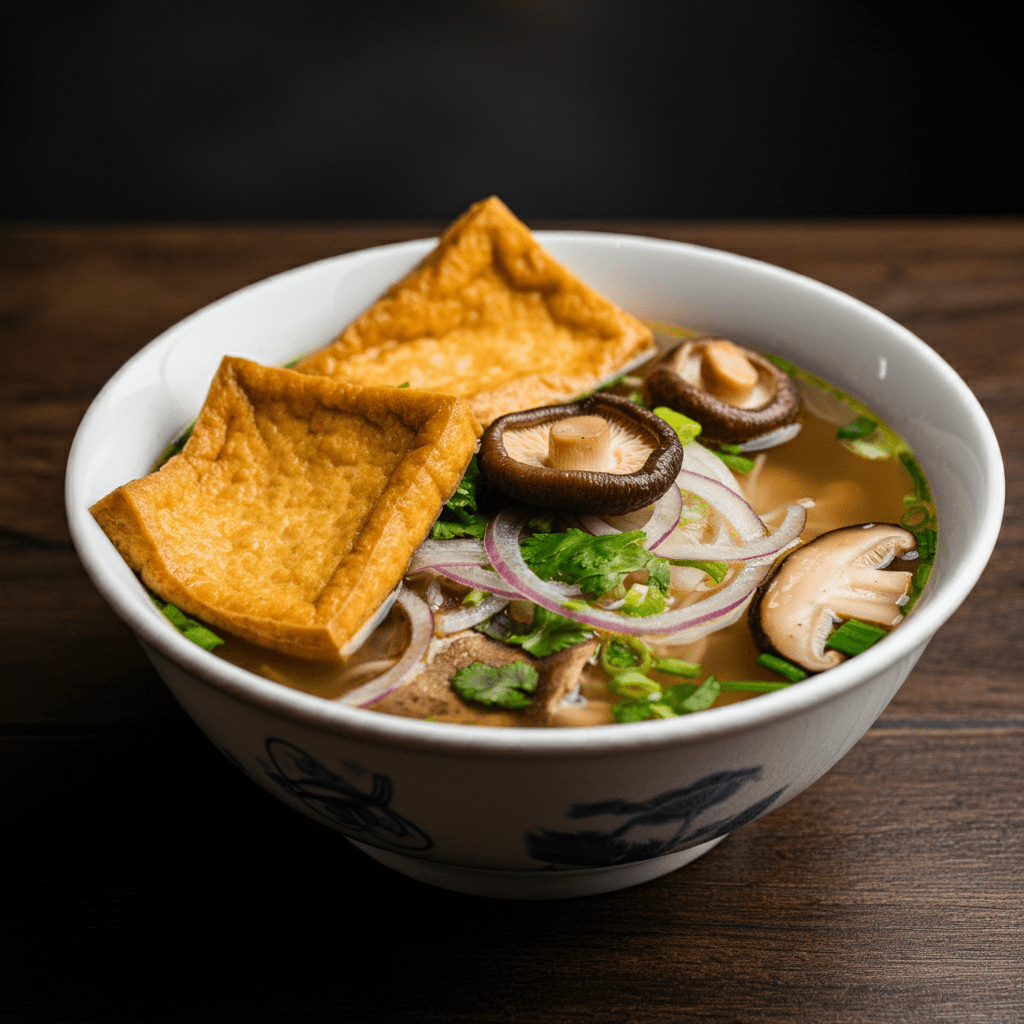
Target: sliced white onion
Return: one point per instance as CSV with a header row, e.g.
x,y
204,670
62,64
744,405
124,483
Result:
x,y
466,618
502,545
737,513
760,547
698,459
458,551
660,523
421,626
772,439
360,636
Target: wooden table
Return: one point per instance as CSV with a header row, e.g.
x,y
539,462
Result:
x,y
151,882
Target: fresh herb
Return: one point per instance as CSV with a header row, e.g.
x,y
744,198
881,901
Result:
x,y
675,667
752,686
505,686
913,467
853,637
405,385
686,429
547,633
619,652
174,448
716,570
473,598
460,517
786,669
188,628
596,564
784,364
862,426
641,600
730,455
637,398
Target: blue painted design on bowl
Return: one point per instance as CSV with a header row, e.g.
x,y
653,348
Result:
x,y
360,813
603,848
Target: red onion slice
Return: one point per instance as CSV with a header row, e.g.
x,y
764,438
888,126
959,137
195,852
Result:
x,y
432,554
662,521
740,516
421,624
761,547
501,543
466,618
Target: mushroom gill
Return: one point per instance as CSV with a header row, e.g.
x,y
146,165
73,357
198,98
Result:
x,y
602,455
733,392
840,575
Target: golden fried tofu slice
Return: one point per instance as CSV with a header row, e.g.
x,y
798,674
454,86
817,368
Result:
x,y
491,317
294,508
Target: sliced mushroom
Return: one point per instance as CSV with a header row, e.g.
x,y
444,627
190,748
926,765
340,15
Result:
x,y
427,694
840,575
734,393
603,454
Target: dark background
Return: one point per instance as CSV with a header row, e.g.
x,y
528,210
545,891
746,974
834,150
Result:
x,y
264,109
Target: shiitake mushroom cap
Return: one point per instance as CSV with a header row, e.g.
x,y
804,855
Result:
x,y
720,421
790,612
599,493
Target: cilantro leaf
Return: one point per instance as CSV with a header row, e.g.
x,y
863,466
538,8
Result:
x,y
596,564
547,633
460,516
506,686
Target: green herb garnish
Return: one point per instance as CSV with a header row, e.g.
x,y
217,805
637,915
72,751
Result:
x,y
507,686
174,448
188,628
853,637
862,426
547,633
596,564
786,669
730,455
460,517
686,429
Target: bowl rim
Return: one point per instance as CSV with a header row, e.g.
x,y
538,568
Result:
x,y
97,556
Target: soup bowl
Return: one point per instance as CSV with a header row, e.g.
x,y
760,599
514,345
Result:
x,y
546,813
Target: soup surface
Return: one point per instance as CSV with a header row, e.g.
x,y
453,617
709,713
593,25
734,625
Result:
x,y
843,467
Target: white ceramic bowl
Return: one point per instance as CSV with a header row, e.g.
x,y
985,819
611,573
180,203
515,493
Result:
x,y
533,813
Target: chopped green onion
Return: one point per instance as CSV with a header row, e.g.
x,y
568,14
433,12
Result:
x,y
862,426
686,429
633,684
913,467
752,686
188,628
473,598
784,668
675,667
616,649
737,463
853,637
703,697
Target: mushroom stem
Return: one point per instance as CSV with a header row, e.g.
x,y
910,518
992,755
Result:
x,y
580,443
727,373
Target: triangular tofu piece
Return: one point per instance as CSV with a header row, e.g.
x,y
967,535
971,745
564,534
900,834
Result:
x,y
491,317
294,508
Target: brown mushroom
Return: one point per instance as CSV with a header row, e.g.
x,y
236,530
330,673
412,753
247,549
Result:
x,y
602,454
734,393
839,575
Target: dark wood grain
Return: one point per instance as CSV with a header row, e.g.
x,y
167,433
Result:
x,y
151,882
